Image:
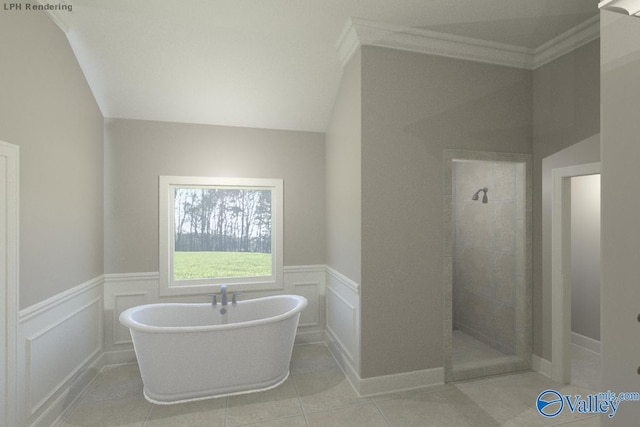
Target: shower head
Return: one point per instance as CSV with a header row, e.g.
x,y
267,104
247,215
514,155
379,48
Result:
x,y
485,199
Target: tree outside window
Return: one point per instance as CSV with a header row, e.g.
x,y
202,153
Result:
x,y
219,231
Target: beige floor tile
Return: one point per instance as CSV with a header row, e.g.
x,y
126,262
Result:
x,y
475,414
297,421
319,387
279,402
408,393
586,422
210,413
116,382
586,369
353,416
123,413
311,358
511,400
326,389
531,418
527,386
499,403
468,350
422,410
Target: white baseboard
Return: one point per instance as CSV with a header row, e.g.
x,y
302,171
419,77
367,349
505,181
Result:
x,y
585,342
401,382
309,337
542,366
119,357
343,359
383,384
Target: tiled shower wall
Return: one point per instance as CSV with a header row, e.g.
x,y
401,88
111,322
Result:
x,y
488,244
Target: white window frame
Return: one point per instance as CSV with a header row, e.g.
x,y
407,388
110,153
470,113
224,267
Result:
x,y
170,286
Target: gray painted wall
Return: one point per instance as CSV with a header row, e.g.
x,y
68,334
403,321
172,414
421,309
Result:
x,y
343,175
137,152
566,111
48,110
413,107
620,37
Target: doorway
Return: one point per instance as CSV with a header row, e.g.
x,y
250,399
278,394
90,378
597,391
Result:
x,y
487,276
585,282
567,268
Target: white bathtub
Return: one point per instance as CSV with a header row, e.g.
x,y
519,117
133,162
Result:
x,y
191,351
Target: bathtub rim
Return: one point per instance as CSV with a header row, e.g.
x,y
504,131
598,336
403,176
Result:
x,y
126,319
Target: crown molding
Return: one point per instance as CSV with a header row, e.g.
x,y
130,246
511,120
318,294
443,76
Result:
x,y
628,7
348,42
578,36
360,32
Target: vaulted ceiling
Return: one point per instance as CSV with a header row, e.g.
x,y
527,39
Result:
x,y
267,63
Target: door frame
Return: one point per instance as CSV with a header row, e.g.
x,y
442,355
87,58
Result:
x,y
9,205
524,342
561,267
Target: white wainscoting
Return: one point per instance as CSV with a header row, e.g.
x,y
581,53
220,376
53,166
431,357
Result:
x,y
343,323
309,282
122,291
59,352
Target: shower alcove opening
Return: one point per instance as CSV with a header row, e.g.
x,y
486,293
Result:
x,y
487,263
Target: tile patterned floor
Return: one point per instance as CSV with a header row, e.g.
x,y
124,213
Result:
x,y
585,368
468,350
318,394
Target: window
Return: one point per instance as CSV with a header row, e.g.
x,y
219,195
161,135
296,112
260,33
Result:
x,y
216,231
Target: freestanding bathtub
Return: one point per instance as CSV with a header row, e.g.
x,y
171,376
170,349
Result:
x,y
193,351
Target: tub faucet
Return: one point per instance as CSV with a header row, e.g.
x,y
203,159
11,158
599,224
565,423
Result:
x,y
214,302
223,291
234,298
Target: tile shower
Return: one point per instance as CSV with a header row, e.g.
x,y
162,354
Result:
x,y
487,272
485,249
